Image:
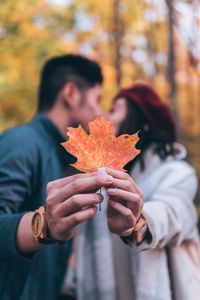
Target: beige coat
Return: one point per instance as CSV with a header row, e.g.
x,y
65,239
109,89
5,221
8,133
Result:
x,y
169,189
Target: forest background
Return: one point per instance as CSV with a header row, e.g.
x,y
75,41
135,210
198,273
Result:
x,y
157,41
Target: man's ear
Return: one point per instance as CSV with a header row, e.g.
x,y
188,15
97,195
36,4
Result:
x,y
71,94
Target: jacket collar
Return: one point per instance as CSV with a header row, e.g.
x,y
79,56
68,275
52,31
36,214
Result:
x,y
152,161
48,129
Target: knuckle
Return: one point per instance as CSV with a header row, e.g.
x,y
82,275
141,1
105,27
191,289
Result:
x,y
76,176
50,215
141,205
75,185
140,193
94,174
128,185
55,212
126,176
91,212
50,186
129,213
75,201
139,201
77,219
52,197
101,179
98,179
49,201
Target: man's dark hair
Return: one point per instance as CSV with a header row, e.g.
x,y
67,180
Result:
x,y
59,70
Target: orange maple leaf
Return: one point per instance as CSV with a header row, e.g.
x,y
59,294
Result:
x,y
100,148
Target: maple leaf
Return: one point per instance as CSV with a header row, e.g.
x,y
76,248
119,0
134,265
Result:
x,y
100,148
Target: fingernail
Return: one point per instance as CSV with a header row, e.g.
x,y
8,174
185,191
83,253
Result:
x,y
100,195
103,169
100,199
111,191
137,197
108,178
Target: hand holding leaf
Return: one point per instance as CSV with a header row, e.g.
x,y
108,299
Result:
x,y
100,148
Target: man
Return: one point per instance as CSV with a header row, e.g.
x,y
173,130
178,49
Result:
x,y
33,255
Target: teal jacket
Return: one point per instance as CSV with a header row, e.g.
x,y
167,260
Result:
x,y
30,157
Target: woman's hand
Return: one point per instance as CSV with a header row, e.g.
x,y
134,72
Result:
x,y
125,203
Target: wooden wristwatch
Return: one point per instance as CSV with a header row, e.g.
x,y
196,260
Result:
x,y
139,233
40,227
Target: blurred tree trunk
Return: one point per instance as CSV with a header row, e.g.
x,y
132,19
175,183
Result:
x,y
171,68
194,60
118,32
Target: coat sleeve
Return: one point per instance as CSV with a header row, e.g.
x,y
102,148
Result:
x,y
171,214
16,171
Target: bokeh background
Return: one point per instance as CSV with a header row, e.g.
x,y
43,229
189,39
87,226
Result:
x,y
157,41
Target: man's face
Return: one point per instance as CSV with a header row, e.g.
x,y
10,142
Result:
x,y
89,106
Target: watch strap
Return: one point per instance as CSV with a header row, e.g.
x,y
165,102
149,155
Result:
x,y
139,233
44,237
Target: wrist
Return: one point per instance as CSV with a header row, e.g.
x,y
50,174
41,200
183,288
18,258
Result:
x,y
140,230
128,232
40,228
25,240
138,233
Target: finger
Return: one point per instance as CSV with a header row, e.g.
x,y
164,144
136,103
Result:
x,y
124,211
78,202
123,185
84,185
124,176
75,219
124,195
59,183
132,201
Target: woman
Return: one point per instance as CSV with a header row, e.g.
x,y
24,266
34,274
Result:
x,y
107,268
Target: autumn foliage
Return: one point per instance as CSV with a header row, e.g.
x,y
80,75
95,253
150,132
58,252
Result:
x,y
100,148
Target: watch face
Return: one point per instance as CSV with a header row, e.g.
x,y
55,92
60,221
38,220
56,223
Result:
x,y
37,224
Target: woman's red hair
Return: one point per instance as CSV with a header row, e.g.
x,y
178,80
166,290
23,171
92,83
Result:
x,y
156,112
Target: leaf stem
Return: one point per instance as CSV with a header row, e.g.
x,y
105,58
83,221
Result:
x,y
100,203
